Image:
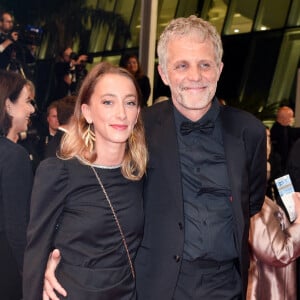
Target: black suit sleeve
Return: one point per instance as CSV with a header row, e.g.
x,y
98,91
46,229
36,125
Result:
x,y
257,168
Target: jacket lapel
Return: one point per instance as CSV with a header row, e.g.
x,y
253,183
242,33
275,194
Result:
x,y
166,157
236,163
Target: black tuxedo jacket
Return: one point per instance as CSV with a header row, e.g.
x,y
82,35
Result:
x,y
159,257
53,146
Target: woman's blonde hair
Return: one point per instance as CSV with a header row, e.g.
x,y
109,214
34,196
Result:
x,y
73,144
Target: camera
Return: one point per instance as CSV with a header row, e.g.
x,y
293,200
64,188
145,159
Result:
x,y
28,34
15,29
89,59
74,56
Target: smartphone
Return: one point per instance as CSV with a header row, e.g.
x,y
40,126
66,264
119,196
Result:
x,y
285,190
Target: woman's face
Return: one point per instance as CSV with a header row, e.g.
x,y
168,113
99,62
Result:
x,y
132,65
20,111
113,110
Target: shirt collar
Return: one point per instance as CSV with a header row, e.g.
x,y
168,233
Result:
x,y
211,115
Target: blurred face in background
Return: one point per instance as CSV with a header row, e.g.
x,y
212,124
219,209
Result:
x,y
132,65
66,55
285,116
20,111
7,23
52,119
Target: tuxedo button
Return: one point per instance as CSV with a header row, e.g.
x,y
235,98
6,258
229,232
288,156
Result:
x,y
180,225
177,258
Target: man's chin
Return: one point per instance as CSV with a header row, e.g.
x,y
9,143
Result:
x,y
195,105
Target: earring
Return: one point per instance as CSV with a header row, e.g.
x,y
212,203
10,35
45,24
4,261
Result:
x,y
89,138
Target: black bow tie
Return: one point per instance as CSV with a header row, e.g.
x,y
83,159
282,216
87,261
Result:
x,y
187,127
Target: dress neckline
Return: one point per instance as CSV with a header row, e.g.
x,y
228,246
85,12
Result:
x,y
106,167
97,165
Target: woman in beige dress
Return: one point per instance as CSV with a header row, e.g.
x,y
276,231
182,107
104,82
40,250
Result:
x,y
275,245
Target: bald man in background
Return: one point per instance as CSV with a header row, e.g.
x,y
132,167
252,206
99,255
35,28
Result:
x,y
283,134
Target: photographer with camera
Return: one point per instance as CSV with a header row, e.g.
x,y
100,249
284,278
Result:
x,y
10,53
69,73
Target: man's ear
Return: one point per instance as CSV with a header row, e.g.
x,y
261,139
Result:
x,y
162,74
220,69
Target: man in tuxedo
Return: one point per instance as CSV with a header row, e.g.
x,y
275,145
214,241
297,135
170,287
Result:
x,y
65,110
284,134
206,176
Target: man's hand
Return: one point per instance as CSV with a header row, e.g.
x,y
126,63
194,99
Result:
x,y
81,59
14,36
50,281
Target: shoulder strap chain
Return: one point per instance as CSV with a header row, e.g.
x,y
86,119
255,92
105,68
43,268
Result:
x,y
116,220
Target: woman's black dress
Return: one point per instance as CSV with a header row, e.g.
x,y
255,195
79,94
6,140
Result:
x,y
15,188
70,212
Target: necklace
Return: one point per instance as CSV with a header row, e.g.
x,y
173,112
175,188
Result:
x,y
116,220
107,167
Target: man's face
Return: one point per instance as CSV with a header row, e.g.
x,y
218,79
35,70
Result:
x,y
66,55
288,119
7,23
285,116
192,74
52,119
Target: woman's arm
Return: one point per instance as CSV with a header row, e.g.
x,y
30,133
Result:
x,y
47,202
271,238
16,185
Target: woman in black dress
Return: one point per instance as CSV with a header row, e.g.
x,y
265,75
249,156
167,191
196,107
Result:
x,y
15,182
132,64
88,201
